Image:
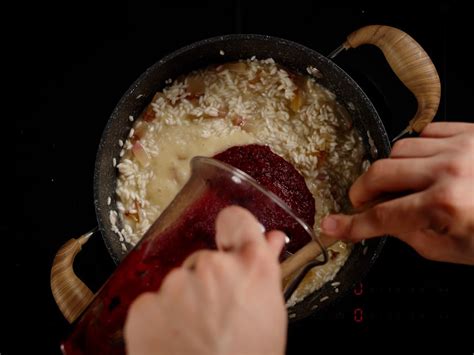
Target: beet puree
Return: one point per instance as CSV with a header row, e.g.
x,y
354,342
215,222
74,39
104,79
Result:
x,y
99,330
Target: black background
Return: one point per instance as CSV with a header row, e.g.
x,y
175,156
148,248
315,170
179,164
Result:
x,y
71,64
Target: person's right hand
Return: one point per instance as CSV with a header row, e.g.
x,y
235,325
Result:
x,y
219,302
437,217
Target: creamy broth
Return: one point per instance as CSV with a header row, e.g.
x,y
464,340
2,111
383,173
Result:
x,y
171,165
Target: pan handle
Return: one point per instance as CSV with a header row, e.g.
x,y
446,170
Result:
x,y
71,294
411,64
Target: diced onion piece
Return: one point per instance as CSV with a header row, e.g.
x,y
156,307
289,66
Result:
x,y
140,153
196,86
140,130
223,111
297,101
256,78
149,114
238,120
322,157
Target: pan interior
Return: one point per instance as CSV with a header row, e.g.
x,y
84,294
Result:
x,y
201,54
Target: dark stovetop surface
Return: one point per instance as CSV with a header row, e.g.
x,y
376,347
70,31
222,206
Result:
x,y
74,63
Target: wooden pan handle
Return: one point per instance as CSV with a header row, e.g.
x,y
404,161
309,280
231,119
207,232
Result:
x,y
303,256
410,63
71,294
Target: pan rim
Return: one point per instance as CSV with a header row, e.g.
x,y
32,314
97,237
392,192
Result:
x,y
100,205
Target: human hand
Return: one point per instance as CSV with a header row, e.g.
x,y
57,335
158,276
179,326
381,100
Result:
x,y
437,217
218,302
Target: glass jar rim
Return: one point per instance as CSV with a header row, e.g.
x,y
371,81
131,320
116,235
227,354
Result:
x,y
200,160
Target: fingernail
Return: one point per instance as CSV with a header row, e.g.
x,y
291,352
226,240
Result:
x,y
262,228
287,239
330,224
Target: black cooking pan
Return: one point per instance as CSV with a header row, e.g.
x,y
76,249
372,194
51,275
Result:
x,y
408,60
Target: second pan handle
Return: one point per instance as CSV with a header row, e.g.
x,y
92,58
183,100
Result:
x,y
410,63
71,294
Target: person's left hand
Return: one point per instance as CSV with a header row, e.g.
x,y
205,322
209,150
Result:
x,y
435,214
218,302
